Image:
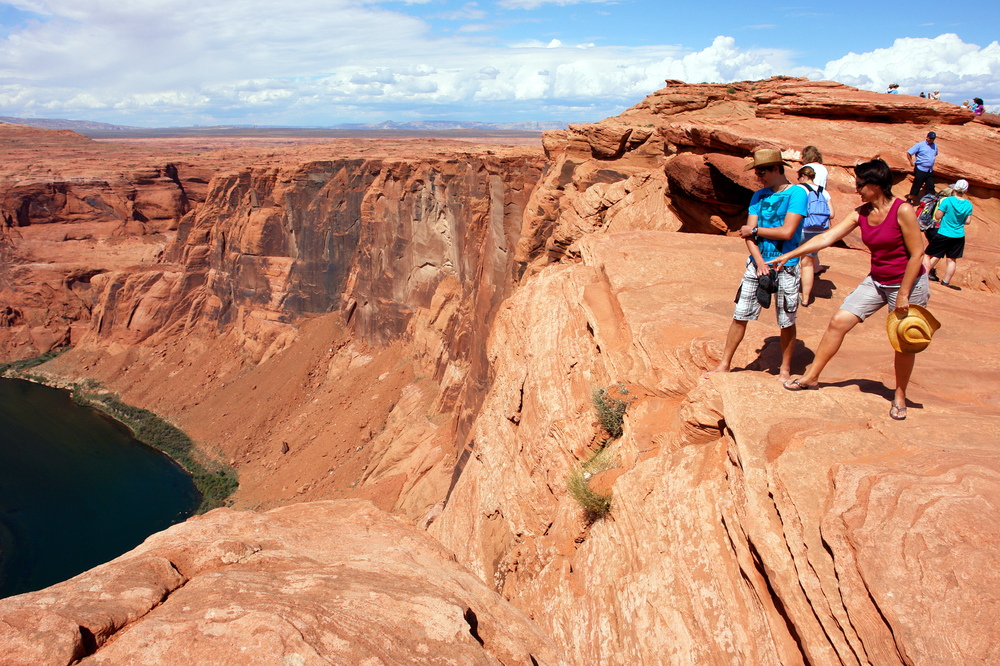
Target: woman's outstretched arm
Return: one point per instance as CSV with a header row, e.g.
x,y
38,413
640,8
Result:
x,y
821,242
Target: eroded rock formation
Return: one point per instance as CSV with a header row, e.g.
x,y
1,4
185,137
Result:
x,y
749,524
312,583
423,324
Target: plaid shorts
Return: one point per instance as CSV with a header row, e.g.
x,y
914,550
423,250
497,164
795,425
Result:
x,y
785,302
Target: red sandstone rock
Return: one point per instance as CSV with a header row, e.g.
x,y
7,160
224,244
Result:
x,y
703,142
748,524
749,521
295,585
785,96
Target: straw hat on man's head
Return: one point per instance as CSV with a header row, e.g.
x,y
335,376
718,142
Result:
x,y
765,157
912,333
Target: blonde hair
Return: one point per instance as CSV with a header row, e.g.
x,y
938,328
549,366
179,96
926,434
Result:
x,y
808,172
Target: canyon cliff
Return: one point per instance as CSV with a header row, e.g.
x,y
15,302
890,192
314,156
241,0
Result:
x,y
422,325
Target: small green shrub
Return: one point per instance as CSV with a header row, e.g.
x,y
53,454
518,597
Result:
x,y
610,409
578,483
731,90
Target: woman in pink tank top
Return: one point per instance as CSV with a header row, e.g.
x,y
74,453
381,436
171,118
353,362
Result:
x,y
889,229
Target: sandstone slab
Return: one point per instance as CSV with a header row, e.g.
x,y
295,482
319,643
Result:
x,y
330,582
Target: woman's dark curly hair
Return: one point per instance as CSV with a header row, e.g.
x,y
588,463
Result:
x,y
875,172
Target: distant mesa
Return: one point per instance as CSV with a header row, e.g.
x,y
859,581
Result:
x,y
537,126
62,124
106,130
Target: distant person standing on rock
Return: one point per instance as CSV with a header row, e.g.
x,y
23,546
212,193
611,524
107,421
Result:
x,y
936,94
954,213
896,278
774,225
926,153
893,89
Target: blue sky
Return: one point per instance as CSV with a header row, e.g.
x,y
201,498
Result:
x,y
321,62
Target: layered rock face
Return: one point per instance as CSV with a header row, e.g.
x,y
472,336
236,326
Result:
x,y
405,240
423,326
72,209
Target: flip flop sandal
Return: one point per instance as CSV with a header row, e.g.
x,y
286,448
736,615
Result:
x,y
897,413
794,385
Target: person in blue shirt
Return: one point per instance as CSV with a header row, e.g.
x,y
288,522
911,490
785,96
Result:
x,y
774,226
921,157
954,212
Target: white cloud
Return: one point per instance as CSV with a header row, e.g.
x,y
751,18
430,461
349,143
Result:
x,y
724,61
945,63
476,27
179,62
315,62
535,4
469,11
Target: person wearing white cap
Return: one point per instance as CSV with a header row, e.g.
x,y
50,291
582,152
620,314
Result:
x,y
954,212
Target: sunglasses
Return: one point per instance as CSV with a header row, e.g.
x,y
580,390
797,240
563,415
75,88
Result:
x,y
760,171
858,184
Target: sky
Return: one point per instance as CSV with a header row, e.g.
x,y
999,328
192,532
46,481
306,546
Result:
x,y
170,63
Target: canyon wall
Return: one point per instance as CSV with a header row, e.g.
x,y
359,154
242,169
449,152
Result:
x,y
423,325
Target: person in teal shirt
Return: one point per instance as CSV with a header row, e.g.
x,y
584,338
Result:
x,y
774,226
954,212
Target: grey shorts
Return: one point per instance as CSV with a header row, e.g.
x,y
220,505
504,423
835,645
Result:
x,y
870,296
785,302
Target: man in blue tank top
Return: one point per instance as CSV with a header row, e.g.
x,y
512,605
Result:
x,y
774,226
921,157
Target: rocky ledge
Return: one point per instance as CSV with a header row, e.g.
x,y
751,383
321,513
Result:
x,y
316,583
